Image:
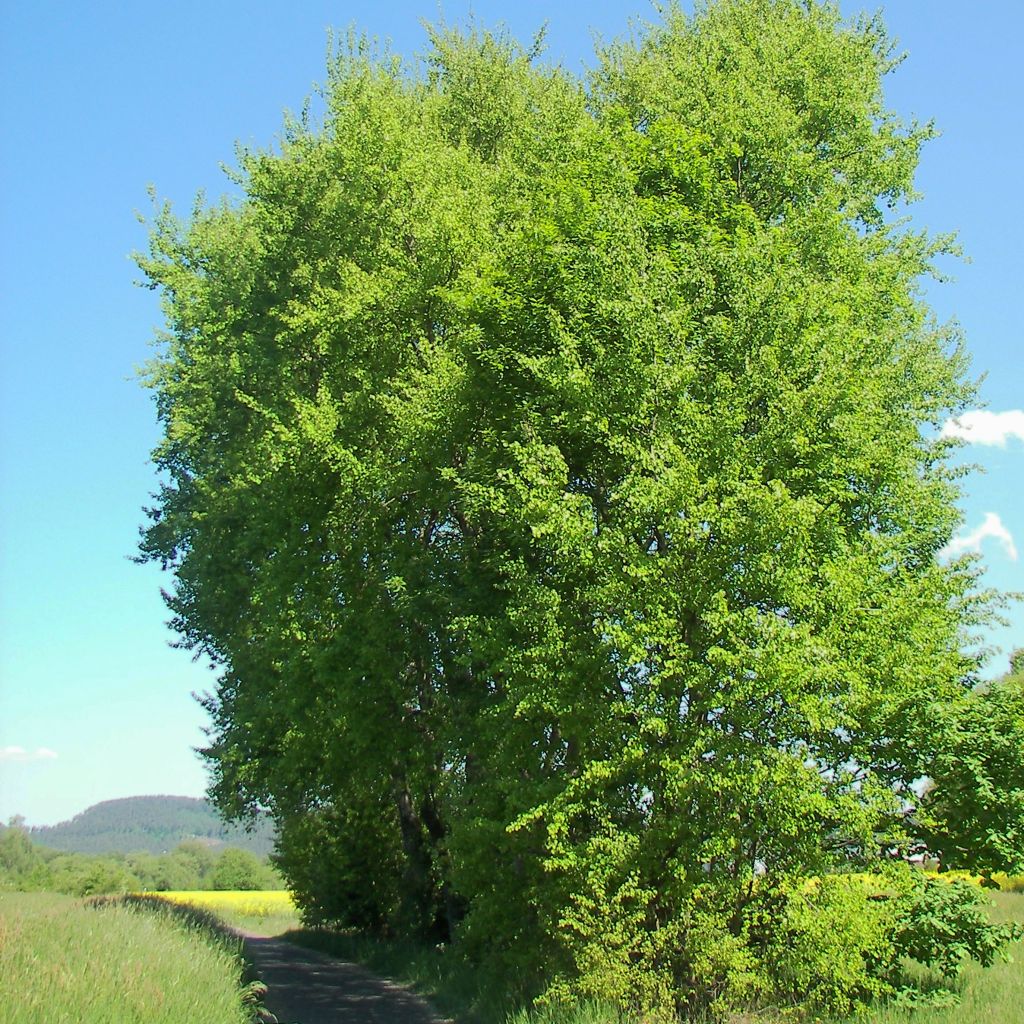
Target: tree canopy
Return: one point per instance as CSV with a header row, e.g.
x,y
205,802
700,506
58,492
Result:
x,y
552,469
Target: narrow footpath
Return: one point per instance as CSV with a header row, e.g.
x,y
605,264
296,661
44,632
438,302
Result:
x,y
307,987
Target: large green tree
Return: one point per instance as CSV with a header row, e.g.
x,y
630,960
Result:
x,y
552,470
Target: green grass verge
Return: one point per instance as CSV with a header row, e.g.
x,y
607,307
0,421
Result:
x,y
64,962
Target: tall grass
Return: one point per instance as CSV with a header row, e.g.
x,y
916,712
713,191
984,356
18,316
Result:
x,y
64,962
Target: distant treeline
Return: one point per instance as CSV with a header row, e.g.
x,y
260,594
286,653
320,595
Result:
x,y
155,824
192,864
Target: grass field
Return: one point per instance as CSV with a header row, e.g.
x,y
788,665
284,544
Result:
x,y
65,962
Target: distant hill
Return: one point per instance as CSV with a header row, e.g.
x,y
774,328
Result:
x,y
151,823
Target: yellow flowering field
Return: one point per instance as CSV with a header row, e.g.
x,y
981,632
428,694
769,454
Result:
x,y
234,902
1007,883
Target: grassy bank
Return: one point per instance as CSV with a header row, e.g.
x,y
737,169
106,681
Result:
x,y
63,962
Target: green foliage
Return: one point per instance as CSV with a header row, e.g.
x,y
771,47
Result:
x,y
993,995
553,471
22,864
973,814
617,959
829,946
240,869
79,875
198,857
27,867
342,865
1017,664
945,923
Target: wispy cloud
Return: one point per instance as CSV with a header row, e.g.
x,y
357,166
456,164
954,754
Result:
x,y
21,754
993,527
982,427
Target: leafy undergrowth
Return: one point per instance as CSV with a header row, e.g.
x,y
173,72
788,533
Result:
x,y
461,990
63,961
993,996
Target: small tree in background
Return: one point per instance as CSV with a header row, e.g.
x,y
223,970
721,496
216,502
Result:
x,y
197,858
1017,664
553,470
240,869
22,865
973,814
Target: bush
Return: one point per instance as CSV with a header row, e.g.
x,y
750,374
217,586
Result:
x,y
239,869
341,866
942,924
829,943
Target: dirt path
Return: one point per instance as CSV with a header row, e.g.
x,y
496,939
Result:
x,y
307,987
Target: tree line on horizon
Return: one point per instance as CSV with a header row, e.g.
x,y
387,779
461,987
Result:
x,y
26,866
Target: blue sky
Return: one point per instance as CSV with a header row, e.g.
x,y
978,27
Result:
x,y
99,100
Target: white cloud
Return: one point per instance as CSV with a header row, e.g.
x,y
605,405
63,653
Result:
x,y
21,754
991,527
982,427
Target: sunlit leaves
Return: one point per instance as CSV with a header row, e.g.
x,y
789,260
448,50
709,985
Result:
x,y
552,472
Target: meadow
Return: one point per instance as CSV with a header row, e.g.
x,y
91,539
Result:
x,y
63,961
